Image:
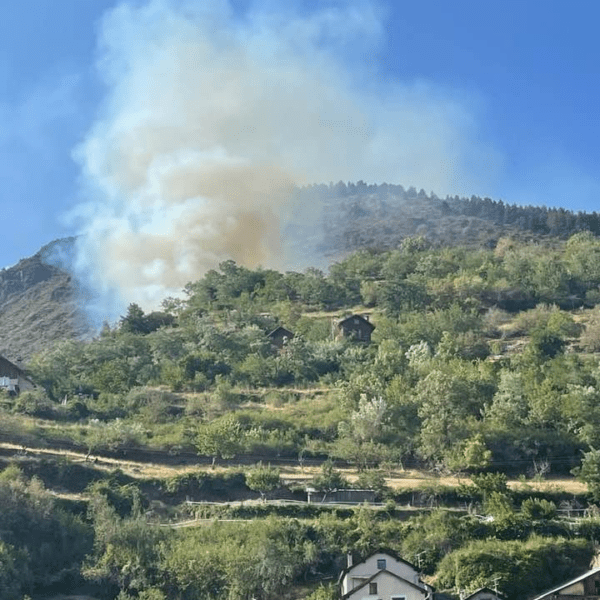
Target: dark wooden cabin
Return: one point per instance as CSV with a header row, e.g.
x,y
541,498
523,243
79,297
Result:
x,y
280,337
356,327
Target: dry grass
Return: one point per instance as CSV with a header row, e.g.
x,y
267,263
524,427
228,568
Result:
x,y
397,479
400,479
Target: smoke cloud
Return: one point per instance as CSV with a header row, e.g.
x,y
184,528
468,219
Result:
x,y
211,117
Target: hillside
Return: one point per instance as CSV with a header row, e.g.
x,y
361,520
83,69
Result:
x,y
39,303
380,216
483,365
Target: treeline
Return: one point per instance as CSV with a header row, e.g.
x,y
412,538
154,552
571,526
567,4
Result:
x,y
542,220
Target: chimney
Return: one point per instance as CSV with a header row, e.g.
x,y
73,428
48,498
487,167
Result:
x,y
349,559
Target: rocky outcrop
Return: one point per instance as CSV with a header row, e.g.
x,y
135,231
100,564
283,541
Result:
x,y
40,302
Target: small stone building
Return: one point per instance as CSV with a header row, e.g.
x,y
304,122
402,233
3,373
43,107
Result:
x,y
355,327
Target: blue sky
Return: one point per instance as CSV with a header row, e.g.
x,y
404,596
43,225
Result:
x,y
522,78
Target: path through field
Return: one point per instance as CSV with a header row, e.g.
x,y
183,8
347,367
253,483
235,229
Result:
x,y
398,479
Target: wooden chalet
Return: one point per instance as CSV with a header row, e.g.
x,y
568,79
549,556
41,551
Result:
x,y
355,327
280,337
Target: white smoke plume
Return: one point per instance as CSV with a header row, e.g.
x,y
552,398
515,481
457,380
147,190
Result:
x,y
212,116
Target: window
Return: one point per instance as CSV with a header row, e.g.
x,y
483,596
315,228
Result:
x,y
356,581
381,563
398,597
372,589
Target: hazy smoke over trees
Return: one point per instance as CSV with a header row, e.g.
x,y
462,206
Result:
x,y
211,117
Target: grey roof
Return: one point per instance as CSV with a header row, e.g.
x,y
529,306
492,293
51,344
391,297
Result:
x,y
350,317
487,590
278,329
567,584
387,551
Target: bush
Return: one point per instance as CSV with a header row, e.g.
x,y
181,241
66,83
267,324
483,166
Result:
x,y
590,337
373,479
34,403
324,592
535,509
155,406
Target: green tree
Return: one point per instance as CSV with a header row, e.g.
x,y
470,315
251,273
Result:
x,y
538,508
14,572
126,550
219,438
263,479
522,568
40,544
329,479
448,403
589,472
373,479
509,407
470,455
498,505
486,484
431,536
134,321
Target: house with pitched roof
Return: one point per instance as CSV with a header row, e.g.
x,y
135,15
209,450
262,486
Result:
x,y
355,327
484,593
584,587
382,575
280,337
13,378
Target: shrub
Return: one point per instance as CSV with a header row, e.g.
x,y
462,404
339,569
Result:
x,y
536,509
34,403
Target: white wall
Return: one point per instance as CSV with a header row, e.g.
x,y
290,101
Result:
x,y
369,567
388,586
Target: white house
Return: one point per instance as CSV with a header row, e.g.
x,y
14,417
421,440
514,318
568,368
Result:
x,y
382,576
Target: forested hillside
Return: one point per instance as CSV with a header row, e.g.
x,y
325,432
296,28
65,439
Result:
x,y
380,216
490,347
483,363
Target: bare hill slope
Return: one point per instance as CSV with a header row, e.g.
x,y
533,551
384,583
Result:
x,y
39,303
